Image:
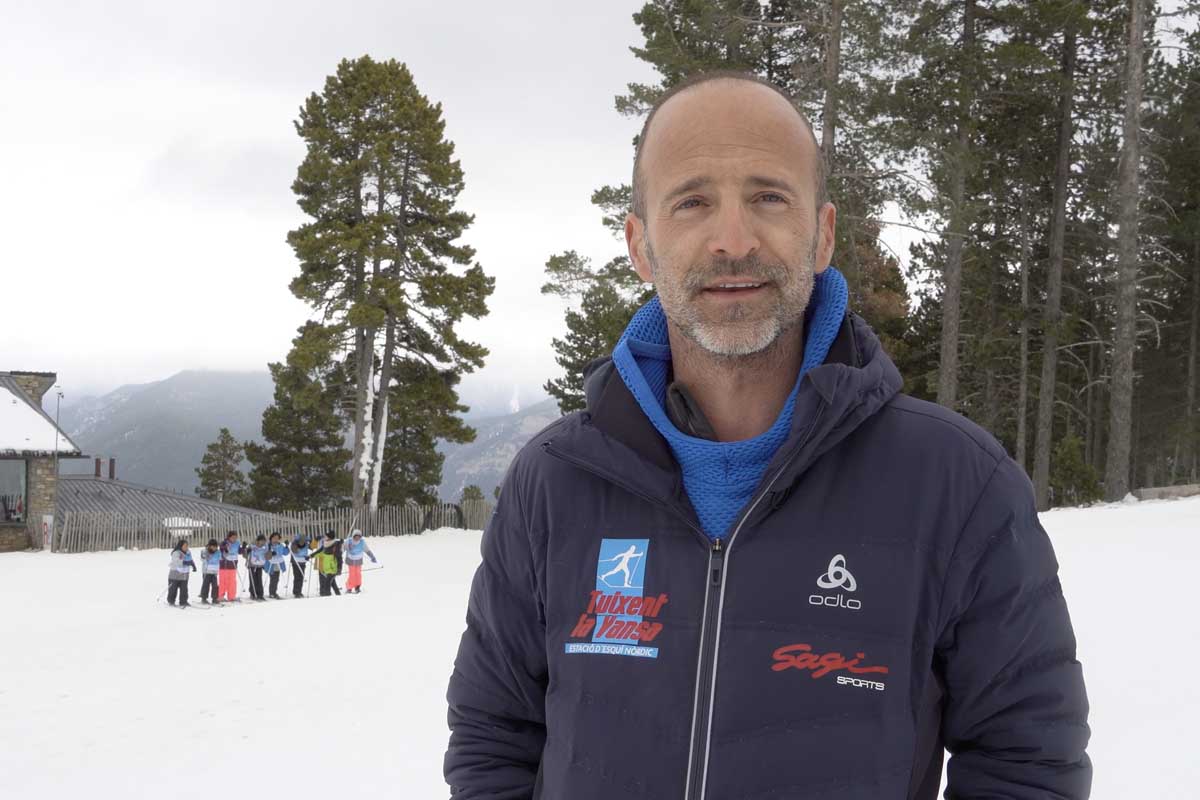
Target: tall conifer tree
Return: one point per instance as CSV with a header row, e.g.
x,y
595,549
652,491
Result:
x,y
379,257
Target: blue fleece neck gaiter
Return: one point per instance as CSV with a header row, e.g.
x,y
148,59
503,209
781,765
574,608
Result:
x,y
720,477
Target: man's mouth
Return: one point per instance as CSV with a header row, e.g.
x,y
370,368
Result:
x,y
734,287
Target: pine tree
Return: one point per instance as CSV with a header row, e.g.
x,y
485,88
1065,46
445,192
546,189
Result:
x,y
1171,448
221,478
471,494
380,255
422,408
935,106
1073,482
302,462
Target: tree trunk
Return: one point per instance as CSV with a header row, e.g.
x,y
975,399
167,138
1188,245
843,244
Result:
x,y
1023,380
379,427
956,230
364,348
1051,318
991,395
377,466
366,446
379,424
1194,434
1090,406
833,59
366,378
1116,468
1101,408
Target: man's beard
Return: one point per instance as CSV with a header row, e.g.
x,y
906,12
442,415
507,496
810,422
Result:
x,y
737,329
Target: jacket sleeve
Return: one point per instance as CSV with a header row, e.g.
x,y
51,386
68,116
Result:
x,y
1015,715
497,691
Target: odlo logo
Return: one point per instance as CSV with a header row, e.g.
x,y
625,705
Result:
x,y
836,577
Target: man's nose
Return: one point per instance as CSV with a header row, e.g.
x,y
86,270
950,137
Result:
x,y
733,236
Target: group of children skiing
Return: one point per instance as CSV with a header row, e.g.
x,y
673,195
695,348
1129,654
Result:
x,y
219,561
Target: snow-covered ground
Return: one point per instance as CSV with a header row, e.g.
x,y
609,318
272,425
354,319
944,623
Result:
x,y
105,693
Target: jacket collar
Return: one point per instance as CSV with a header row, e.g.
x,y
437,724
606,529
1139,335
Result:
x,y
616,439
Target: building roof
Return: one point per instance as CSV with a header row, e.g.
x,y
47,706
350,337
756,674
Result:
x,y
25,429
87,493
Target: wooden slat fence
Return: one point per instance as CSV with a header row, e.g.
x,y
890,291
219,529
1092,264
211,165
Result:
x,y
79,532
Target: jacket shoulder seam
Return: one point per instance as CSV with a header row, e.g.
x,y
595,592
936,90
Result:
x,y
891,406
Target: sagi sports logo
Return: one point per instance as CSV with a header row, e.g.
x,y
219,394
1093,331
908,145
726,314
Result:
x,y
836,577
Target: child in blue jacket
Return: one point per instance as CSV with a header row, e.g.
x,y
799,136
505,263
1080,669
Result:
x,y
355,549
211,557
299,561
277,554
182,567
256,560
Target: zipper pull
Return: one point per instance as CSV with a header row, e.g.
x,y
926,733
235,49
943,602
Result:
x,y
717,562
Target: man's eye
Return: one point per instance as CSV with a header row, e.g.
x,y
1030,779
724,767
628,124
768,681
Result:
x,y
775,198
685,203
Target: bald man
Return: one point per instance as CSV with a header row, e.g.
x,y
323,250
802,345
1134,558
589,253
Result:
x,y
836,582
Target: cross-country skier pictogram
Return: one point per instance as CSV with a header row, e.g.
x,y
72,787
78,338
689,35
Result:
x,y
623,566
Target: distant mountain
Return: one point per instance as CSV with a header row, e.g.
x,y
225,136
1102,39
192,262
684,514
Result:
x,y
497,439
158,431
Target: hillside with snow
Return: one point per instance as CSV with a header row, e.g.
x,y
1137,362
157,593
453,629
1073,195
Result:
x,y
158,431
107,693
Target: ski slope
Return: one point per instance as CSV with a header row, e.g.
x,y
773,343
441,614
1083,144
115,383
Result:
x,y
105,693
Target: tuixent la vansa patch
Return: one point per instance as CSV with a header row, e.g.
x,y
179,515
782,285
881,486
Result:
x,y
620,618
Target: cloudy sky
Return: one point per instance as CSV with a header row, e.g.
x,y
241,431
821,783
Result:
x,y
147,150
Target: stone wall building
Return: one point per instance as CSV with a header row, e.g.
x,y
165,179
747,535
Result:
x,y
30,446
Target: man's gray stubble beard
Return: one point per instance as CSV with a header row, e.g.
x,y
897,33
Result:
x,y
712,338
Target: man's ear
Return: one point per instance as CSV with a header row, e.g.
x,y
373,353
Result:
x,y
635,240
826,236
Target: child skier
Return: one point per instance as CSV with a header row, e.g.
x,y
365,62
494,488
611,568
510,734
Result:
x,y
227,588
256,559
277,553
212,565
328,561
354,560
299,561
182,567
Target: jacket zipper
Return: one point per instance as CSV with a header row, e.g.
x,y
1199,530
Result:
x,y
710,637
704,666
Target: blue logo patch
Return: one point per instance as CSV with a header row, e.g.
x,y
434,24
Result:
x,y
618,610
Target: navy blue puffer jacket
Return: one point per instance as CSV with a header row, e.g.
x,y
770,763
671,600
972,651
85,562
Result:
x,y
887,593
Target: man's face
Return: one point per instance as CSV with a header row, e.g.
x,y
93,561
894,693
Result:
x,y
732,238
